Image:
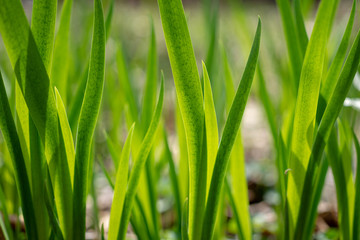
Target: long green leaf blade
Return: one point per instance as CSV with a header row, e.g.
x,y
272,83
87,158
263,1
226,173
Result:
x,y
306,105
356,223
212,135
87,122
39,96
52,216
336,65
120,188
60,64
228,138
185,221
173,178
189,94
125,84
43,28
8,129
66,134
109,18
327,122
139,164
238,192
4,219
149,97
300,24
292,39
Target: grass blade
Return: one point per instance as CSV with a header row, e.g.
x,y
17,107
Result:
x,y
76,103
109,18
327,122
55,227
149,96
120,188
126,85
4,218
300,24
60,64
183,162
189,94
238,195
75,106
356,223
334,157
212,135
67,135
147,194
87,121
106,173
173,178
139,164
229,135
185,221
292,39
43,28
306,105
234,209
35,86
8,129
336,65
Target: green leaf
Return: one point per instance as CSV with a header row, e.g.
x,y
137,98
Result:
x,y
8,130
229,82
60,62
149,96
327,122
337,166
318,187
228,138
114,152
212,135
106,173
292,38
76,103
173,178
234,209
39,96
139,164
267,103
43,28
102,232
4,219
185,221
183,161
66,134
125,84
239,186
238,191
120,188
300,24
147,193
332,75
189,94
306,105
109,18
356,223
87,121
55,227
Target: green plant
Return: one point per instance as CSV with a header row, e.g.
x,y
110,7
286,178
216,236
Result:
x,y
184,161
